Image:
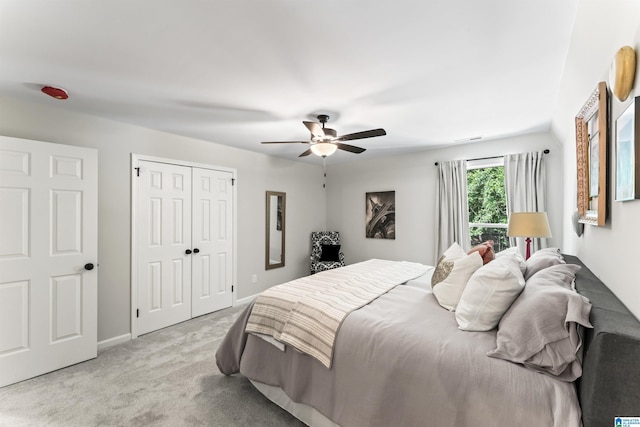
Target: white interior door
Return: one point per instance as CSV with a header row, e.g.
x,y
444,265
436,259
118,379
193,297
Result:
x,y
48,234
163,242
213,241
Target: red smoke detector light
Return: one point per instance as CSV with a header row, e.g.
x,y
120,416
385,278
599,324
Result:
x,y
55,92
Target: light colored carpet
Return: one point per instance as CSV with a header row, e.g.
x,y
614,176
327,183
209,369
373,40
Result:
x,y
165,378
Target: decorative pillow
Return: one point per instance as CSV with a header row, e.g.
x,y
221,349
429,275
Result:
x,y
539,331
451,275
488,295
330,253
485,250
542,259
513,253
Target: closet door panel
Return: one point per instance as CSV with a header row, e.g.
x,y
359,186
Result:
x,y
163,224
212,236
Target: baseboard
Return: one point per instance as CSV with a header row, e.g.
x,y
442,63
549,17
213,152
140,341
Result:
x,y
102,345
246,300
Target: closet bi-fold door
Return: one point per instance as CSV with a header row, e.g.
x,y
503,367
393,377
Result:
x,y
184,243
163,245
212,241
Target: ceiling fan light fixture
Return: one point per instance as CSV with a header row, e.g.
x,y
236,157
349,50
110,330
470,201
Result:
x,y
325,141
323,149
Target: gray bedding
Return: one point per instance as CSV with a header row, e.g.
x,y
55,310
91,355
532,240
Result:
x,y
402,361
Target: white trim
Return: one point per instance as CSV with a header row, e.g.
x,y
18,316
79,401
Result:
x,y
144,157
134,260
111,342
234,273
135,159
245,300
491,162
488,224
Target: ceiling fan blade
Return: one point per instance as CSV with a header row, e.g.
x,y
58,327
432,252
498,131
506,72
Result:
x,y
315,129
350,148
285,142
361,135
306,153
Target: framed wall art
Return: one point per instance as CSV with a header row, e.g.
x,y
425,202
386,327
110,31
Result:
x,y
591,157
628,153
380,215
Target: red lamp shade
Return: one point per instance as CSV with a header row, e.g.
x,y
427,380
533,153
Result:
x,y
55,92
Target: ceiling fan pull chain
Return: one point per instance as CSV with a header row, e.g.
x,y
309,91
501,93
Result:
x,y
324,171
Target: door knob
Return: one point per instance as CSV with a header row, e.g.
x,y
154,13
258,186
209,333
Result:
x,y
196,250
188,251
88,266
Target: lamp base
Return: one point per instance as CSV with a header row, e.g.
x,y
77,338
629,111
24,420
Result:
x,y
528,240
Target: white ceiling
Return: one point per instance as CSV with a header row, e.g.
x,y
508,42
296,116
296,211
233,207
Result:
x,y
238,72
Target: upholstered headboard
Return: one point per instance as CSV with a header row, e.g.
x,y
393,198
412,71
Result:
x,y
610,382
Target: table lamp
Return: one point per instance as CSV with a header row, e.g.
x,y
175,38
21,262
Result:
x,y
528,224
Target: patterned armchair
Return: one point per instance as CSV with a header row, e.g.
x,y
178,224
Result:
x,y
331,257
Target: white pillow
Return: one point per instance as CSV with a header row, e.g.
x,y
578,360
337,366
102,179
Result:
x,y
451,275
514,253
489,294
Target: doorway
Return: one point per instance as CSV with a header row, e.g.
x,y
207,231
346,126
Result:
x,y
183,241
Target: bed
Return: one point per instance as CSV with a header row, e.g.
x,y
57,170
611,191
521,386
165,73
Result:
x,y
402,360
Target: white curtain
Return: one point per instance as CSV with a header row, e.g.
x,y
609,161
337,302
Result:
x,y
525,185
452,209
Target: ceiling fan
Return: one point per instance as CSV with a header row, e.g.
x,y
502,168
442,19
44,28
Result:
x,y
324,141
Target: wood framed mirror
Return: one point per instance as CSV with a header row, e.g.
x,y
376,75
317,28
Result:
x,y
592,137
275,229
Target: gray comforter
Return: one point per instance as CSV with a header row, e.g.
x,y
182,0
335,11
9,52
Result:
x,y
402,361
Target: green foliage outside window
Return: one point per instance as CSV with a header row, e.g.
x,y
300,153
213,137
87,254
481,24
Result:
x,y
487,204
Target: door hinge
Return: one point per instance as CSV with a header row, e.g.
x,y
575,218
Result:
x,y
137,171
233,181
231,288
137,312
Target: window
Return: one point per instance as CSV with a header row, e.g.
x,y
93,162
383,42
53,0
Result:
x,y
487,204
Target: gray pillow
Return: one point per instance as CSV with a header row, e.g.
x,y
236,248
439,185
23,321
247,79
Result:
x,y
548,250
556,275
541,260
539,330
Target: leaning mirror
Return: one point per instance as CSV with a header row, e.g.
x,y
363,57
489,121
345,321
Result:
x,y
591,157
275,228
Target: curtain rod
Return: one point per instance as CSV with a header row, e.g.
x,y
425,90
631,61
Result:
x,y
546,151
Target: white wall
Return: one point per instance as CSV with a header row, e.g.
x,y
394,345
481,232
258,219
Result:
x,y
115,142
601,28
414,179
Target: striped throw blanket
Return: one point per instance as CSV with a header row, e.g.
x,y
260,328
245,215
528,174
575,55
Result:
x,y
306,313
